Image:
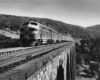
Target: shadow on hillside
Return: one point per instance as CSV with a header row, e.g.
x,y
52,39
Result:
x,y
86,76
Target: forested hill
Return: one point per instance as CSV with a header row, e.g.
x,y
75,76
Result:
x,y
14,23
95,28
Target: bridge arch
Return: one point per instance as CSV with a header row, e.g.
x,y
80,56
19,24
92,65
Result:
x,y
68,68
60,73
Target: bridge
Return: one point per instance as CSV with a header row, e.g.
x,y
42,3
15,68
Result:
x,y
46,62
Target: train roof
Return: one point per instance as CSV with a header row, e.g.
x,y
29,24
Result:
x,y
37,23
31,24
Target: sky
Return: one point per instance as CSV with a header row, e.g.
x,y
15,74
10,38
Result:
x,y
78,12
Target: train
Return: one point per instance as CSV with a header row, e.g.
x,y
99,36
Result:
x,y
33,33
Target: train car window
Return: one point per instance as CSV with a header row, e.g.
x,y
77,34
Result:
x,y
50,30
33,23
32,29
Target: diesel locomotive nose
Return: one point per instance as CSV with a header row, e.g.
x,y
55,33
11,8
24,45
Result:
x,y
29,34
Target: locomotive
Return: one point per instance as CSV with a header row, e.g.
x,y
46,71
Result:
x,y
33,33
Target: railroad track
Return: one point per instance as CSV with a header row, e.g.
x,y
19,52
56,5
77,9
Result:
x,y
11,52
23,55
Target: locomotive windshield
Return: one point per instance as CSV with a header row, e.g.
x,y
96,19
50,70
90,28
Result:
x,y
33,23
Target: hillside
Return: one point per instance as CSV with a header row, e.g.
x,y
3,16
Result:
x,y
13,23
95,27
8,33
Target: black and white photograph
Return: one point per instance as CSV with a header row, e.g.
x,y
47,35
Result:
x,y
49,39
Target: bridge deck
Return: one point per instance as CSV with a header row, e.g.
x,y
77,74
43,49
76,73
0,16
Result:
x,y
32,65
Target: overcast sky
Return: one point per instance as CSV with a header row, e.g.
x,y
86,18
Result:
x,y
78,12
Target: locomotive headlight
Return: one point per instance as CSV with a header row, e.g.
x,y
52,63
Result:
x,y
35,32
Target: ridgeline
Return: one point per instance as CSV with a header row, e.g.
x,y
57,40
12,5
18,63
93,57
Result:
x,y
15,22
